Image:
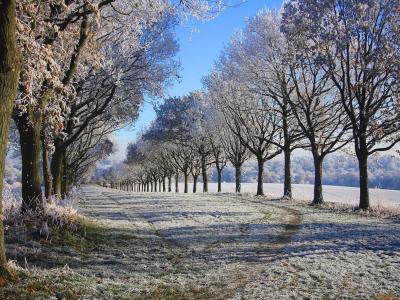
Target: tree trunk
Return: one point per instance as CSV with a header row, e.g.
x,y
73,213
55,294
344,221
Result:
x,y
260,188
29,133
65,181
364,190
9,75
238,179
177,183
219,180
318,196
195,183
48,179
155,185
204,174
151,186
169,184
57,170
287,186
186,183
163,185
148,187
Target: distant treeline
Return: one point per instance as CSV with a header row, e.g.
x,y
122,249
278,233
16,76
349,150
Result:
x,y
342,170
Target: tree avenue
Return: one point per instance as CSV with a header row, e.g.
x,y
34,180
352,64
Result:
x,y
320,76
82,72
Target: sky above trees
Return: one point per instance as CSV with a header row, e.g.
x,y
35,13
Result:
x,y
200,45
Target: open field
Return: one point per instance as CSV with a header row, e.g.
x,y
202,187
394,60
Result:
x,y
337,194
169,246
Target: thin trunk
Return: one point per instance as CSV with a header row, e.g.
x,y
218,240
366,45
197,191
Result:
x,y
169,184
29,131
155,185
219,180
48,180
287,187
57,170
186,183
9,74
151,187
195,183
163,185
364,191
148,187
177,183
65,181
204,174
318,196
260,188
238,179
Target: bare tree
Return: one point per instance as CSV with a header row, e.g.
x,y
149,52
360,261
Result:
x,y
357,45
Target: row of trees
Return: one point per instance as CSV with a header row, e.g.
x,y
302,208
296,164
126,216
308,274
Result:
x,y
72,72
320,75
184,140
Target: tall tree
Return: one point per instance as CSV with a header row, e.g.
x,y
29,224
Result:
x,y
9,75
357,45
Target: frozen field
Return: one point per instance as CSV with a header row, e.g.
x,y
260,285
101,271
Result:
x,y
338,194
209,246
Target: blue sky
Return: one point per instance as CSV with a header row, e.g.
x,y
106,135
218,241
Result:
x,y
200,45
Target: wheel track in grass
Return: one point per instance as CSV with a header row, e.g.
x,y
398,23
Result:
x,y
182,256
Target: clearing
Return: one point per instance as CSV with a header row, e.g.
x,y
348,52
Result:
x,y
194,246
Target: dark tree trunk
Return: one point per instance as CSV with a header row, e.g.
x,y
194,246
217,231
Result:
x,y
151,186
364,190
186,189
204,174
318,196
65,180
177,183
9,75
155,185
57,170
169,184
29,132
219,181
195,183
163,185
47,178
287,187
260,188
238,179
148,187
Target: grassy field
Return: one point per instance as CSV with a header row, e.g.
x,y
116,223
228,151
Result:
x,y
168,246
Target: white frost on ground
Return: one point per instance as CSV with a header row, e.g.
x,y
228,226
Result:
x,y
241,247
337,194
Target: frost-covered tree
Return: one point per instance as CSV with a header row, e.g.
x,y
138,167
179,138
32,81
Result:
x,y
235,152
115,92
356,43
259,54
248,115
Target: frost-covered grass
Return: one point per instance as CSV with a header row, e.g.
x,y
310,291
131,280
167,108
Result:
x,y
168,246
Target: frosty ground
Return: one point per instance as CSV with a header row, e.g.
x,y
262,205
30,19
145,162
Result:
x,y
176,246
